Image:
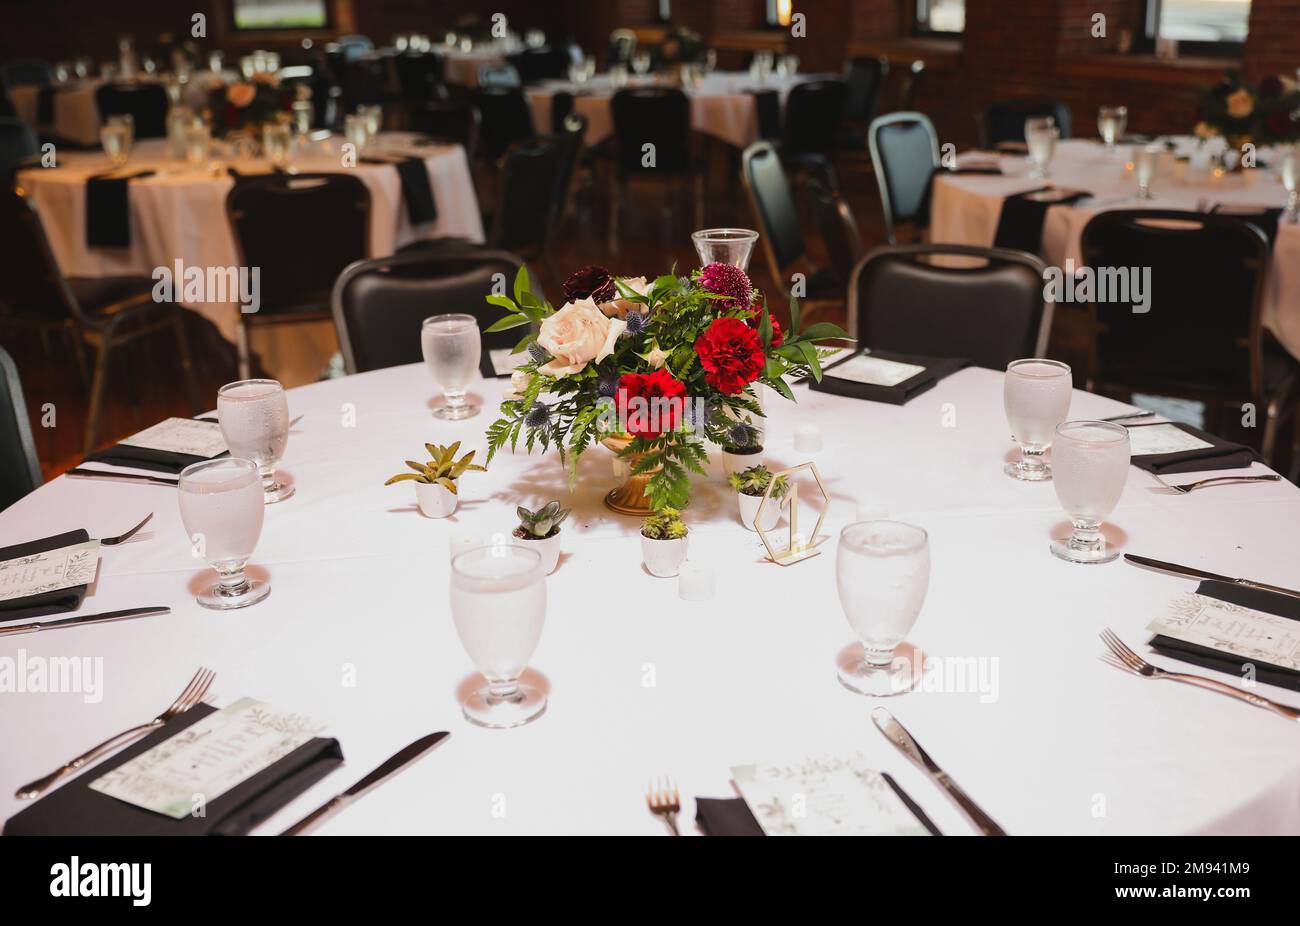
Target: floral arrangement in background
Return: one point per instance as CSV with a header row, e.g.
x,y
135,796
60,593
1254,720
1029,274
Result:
x,y
256,101
1267,113
670,363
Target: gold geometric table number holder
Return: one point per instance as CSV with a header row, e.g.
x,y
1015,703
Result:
x,y
797,548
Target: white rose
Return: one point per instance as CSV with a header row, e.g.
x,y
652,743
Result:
x,y
576,335
519,381
656,356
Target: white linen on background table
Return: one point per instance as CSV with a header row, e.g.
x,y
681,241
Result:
x,y
643,683
966,207
180,212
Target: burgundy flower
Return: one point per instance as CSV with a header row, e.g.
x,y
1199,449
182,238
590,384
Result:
x,y
726,280
1270,87
594,283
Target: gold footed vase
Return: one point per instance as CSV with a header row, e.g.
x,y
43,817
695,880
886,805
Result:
x,y
630,497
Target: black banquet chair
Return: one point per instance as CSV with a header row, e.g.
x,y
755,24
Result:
x,y
107,313
988,308
379,305
537,64
814,115
528,197
302,230
456,121
146,104
20,472
1200,335
904,155
1004,121
498,75
21,71
505,118
17,143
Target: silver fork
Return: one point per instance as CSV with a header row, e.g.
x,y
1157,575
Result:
x,y
663,800
192,695
1220,480
1121,657
122,538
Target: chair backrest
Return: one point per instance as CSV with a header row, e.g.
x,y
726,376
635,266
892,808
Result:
x,y
25,71
991,312
1200,327
506,119
146,104
20,472
527,194
17,143
904,153
545,63
354,46
457,121
865,76
571,135
839,230
814,111
418,74
774,205
379,305
1005,120
652,115
30,281
498,75
301,230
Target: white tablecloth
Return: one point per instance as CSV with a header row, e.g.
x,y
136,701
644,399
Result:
x,y
643,683
966,207
180,212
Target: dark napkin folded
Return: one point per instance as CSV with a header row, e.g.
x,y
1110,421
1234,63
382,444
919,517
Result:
x,y
417,192
1020,226
730,816
159,461
58,601
108,210
1204,656
1223,455
75,810
936,368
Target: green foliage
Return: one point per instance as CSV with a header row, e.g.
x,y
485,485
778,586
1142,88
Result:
x,y
664,524
443,468
755,480
541,523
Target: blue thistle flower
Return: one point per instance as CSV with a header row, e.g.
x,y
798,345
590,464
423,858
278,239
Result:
x,y
539,416
538,353
607,385
635,324
741,434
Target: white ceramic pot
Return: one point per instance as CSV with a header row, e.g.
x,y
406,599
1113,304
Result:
x,y
434,500
738,462
749,511
547,547
663,558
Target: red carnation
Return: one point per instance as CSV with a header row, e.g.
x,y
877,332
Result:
x,y
731,353
650,404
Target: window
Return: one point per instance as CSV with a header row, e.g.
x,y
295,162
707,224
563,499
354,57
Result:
x,y
940,15
280,14
1199,22
778,12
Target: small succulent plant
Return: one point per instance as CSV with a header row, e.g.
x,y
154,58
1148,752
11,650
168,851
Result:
x,y
754,481
443,468
542,523
666,524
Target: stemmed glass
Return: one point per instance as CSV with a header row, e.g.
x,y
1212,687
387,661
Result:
x,y
254,419
373,115
725,246
452,350
1041,135
1091,461
498,603
1111,122
221,508
882,571
356,131
641,63
1144,167
1037,398
1290,168
116,135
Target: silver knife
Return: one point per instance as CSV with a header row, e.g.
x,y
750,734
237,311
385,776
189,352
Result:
x,y
78,473
894,732
394,764
106,617
1202,574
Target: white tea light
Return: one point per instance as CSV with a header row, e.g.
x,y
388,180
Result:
x,y
807,438
696,582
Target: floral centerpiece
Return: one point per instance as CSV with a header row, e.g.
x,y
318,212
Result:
x,y
1264,114
650,368
254,102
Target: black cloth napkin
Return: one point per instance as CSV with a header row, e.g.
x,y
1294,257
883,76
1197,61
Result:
x,y
59,601
108,210
159,461
45,105
75,810
730,816
417,192
1020,226
1204,656
1222,455
936,368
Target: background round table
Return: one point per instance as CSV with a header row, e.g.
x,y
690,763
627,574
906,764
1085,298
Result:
x,y
357,630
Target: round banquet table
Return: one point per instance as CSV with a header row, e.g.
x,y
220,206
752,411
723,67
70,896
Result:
x,y
722,106
357,630
966,207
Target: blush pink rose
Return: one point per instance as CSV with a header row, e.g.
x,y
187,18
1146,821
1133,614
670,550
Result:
x,y
1241,104
576,335
240,95
618,308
